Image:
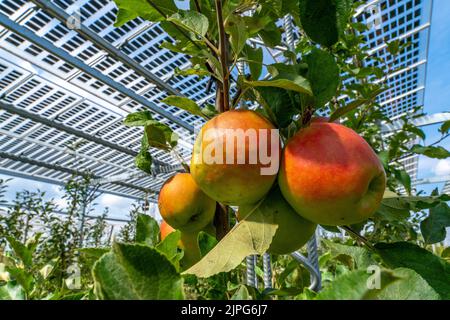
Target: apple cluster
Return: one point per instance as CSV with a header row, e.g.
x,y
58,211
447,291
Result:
x,y
327,175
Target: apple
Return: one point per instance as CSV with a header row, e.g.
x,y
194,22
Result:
x,y
330,175
183,205
165,229
293,231
188,242
232,170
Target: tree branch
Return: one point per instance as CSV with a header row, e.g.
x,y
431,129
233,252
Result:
x,y
223,56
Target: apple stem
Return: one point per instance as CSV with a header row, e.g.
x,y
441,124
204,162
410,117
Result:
x,y
221,221
355,235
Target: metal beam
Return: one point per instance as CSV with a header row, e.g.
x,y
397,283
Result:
x,y
60,126
9,205
60,53
403,95
432,180
65,151
56,167
13,173
419,122
87,33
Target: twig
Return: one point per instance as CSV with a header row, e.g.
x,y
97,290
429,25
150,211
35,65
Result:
x,y
359,237
208,43
223,50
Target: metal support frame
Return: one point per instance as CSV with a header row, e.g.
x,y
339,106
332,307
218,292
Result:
x,y
55,167
432,180
87,216
252,279
58,13
60,53
267,271
60,126
419,122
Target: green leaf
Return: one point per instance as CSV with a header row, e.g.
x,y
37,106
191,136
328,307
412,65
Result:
x,y
434,270
159,135
354,286
361,256
254,61
93,252
196,70
349,107
403,177
331,228
23,277
324,21
241,294
252,235
21,251
209,111
445,127
131,9
138,119
282,83
433,228
191,21
143,161
393,47
282,104
271,35
169,247
323,75
256,23
235,27
11,291
287,77
206,242
431,151
410,286
185,104
136,272
147,230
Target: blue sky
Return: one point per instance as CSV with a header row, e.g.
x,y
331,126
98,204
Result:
x,y
437,99
437,88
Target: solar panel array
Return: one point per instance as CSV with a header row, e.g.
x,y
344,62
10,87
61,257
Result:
x,y
46,85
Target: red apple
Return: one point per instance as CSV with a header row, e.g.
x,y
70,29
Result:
x,y
232,170
330,175
183,205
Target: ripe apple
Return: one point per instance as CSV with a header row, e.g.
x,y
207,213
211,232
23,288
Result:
x,y
330,175
183,205
236,170
165,229
188,242
293,231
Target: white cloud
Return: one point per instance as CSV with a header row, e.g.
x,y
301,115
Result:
x,y
442,168
109,200
61,203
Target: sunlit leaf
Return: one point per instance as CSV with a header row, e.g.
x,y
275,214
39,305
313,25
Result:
x,y
136,272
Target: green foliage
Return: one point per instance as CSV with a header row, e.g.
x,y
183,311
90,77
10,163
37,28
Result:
x,y
434,270
147,230
251,236
324,21
354,286
409,286
433,228
135,272
431,151
323,75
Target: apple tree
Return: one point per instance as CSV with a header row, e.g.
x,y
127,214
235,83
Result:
x,y
326,70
